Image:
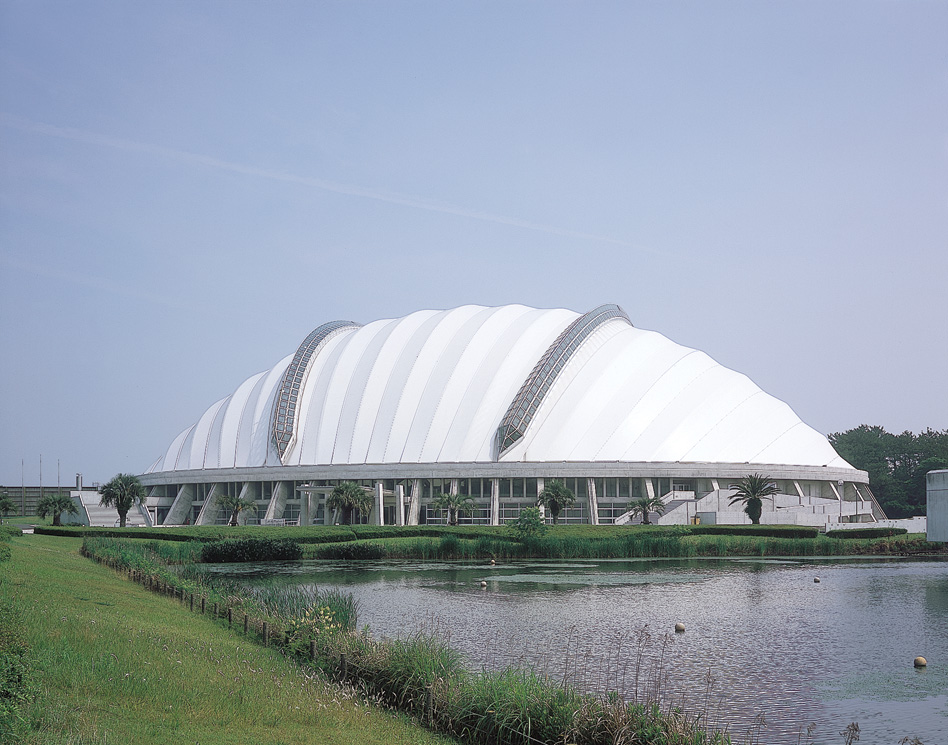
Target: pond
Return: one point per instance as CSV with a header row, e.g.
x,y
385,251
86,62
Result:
x,y
762,637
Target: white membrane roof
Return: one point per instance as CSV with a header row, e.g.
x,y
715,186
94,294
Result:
x,y
434,386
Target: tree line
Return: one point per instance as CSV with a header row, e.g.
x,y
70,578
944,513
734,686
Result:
x,y
896,464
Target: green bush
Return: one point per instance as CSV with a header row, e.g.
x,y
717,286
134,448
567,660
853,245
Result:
x,y
4,552
210,533
9,531
866,533
771,531
250,549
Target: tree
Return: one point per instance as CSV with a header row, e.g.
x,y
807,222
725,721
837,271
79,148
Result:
x,y
896,464
7,505
528,523
349,496
454,504
645,505
235,504
56,505
751,491
555,497
123,492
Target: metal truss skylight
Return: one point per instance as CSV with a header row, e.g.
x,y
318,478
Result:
x,y
284,413
528,399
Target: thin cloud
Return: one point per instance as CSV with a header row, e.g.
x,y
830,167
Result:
x,y
92,138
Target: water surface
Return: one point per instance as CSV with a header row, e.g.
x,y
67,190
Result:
x,y
769,639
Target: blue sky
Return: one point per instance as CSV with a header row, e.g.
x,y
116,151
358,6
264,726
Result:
x,y
188,188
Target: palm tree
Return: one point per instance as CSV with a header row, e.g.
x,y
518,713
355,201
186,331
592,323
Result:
x,y
7,505
123,492
751,490
349,496
56,505
645,505
556,496
235,504
454,504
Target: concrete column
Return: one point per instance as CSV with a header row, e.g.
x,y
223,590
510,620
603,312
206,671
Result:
x,y
495,501
379,504
541,485
327,513
399,504
649,488
414,502
593,501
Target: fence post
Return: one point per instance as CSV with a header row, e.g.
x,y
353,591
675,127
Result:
x,y
230,616
203,601
246,624
215,610
192,603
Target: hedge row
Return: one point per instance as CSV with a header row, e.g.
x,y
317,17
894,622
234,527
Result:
x,y
866,533
251,549
9,531
209,533
770,531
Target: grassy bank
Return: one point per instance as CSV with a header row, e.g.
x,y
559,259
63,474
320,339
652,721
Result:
x,y
112,662
418,674
633,544
559,542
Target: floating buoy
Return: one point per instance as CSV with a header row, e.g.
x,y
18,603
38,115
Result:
x,y
679,628
816,579
492,562
483,584
921,662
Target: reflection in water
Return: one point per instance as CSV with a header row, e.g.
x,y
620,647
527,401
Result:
x,y
772,640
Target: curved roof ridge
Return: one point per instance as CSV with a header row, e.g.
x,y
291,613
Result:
x,y
283,424
538,383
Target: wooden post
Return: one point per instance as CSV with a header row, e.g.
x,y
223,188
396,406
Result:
x,y
203,601
246,624
192,603
215,610
230,616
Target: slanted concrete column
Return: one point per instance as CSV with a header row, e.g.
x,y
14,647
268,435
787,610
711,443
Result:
x,y
649,488
399,504
593,501
414,502
541,485
379,504
495,501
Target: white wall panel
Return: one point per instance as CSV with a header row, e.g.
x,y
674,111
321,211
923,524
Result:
x,y
356,393
397,360
309,407
262,435
406,438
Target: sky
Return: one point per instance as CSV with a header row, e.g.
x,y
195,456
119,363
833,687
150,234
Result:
x,y
187,189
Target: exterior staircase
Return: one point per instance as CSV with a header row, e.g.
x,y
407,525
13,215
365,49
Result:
x,y
108,516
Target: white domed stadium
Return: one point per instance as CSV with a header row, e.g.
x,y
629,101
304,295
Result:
x,y
492,403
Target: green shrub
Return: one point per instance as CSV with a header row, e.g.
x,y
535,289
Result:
x,y
250,549
9,531
771,531
4,552
210,533
866,533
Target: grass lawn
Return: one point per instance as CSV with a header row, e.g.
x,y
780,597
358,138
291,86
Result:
x,y
115,663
